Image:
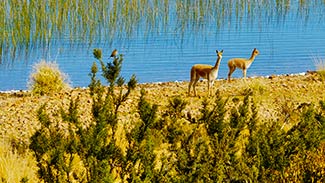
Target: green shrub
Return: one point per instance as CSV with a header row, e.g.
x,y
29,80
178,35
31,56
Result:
x,y
47,78
176,107
69,151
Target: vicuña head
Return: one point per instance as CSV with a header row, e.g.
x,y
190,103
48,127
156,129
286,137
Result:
x,y
208,72
241,63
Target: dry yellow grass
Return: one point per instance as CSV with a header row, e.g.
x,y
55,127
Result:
x,y
276,96
320,67
15,167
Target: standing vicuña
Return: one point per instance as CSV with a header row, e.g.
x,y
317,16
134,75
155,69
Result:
x,y
241,63
208,72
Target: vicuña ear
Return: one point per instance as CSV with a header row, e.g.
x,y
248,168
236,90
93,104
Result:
x,y
221,51
254,49
217,51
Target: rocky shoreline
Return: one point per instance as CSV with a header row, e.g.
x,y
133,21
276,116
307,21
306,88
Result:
x,y
177,81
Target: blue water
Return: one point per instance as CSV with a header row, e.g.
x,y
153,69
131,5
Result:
x,y
287,44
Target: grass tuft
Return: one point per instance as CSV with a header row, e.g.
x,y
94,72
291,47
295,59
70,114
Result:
x,y
15,167
47,79
320,67
257,86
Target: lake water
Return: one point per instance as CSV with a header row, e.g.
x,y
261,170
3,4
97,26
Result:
x,y
289,42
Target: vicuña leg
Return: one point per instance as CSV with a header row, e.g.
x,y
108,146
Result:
x,y
244,73
194,79
208,87
189,88
231,70
210,84
192,75
194,84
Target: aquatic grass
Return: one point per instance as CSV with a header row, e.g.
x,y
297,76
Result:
x,y
25,24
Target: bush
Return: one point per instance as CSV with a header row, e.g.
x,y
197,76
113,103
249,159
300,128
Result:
x,y
69,151
47,78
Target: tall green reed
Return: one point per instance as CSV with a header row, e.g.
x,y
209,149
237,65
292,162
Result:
x,y
25,23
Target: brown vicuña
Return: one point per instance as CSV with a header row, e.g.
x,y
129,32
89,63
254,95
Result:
x,y
241,63
208,72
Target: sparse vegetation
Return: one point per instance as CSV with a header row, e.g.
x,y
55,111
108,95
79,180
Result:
x,y
227,141
320,67
47,79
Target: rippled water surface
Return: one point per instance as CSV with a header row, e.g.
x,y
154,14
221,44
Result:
x,y
290,37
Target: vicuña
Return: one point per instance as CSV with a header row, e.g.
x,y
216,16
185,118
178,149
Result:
x,y
208,72
241,63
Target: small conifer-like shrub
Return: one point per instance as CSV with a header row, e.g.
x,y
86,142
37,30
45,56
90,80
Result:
x,y
47,78
68,151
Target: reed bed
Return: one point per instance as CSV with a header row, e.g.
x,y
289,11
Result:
x,y
26,24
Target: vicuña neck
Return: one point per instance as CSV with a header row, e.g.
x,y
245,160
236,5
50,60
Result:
x,y
252,58
217,63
